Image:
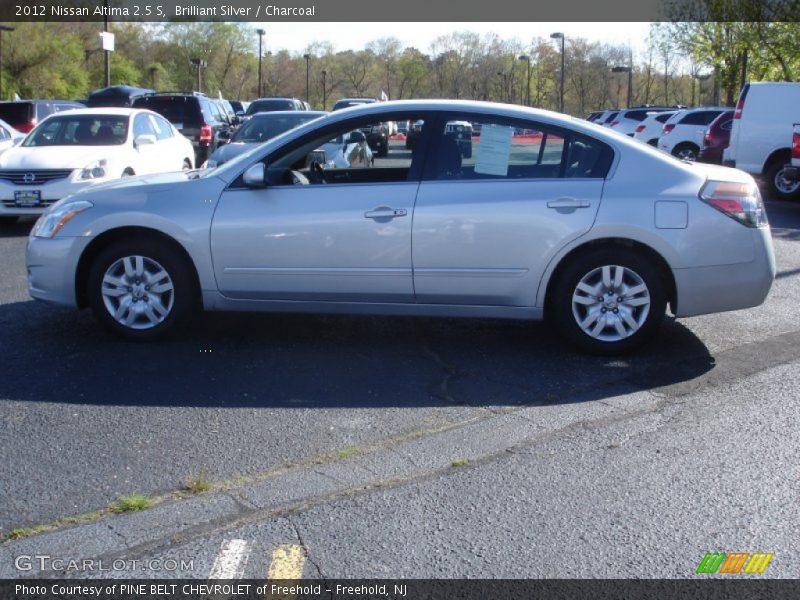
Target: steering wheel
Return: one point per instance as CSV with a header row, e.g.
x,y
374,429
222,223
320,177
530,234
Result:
x,y
316,172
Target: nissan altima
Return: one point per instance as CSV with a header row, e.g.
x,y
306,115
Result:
x,y
548,217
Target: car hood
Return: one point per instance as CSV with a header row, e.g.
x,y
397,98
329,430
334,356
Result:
x,y
231,150
54,157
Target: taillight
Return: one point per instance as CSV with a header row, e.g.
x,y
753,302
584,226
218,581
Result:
x,y
640,129
206,135
27,126
796,145
739,201
668,127
739,106
614,123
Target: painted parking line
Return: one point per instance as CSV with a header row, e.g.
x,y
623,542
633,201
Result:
x,y
231,560
287,562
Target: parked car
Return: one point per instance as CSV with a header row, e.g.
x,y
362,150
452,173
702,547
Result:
x,y
24,115
239,107
716,138
762,130
627,120
649,130
9,137
260,128
193,115
80,148
116,95
273,104
682,133
589,229
605,119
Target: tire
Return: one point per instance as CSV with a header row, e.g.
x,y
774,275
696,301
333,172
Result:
x,y
686,151
594,326
134,266
778,186
187,165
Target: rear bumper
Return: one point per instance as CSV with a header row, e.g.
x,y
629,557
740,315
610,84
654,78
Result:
x,y
704,290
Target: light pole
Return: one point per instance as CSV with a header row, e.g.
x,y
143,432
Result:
x,y
2,29
527,59
560,36
324,91
260,33
199,63
308,58
105,51
629,71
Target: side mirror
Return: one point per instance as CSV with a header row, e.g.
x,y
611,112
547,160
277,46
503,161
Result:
x,y
255,176
144,140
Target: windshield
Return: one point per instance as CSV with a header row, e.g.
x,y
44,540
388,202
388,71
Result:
x,y
80,130
262,127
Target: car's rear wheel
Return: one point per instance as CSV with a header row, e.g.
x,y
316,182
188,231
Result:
x,y
686,151
140,289
608,302
778,185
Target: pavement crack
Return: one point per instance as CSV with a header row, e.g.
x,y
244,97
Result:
x,y
441,389
305,548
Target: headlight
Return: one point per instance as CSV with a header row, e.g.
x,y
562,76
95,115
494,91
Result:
x,y
51,222
95,170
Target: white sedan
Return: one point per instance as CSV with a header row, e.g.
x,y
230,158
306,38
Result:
x,y
76,149
9,137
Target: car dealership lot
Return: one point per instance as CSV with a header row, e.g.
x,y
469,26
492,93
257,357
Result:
x,y
87,418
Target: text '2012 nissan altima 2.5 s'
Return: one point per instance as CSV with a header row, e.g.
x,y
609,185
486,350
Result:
x,y
545,217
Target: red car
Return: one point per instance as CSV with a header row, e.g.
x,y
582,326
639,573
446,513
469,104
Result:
x,y
716,138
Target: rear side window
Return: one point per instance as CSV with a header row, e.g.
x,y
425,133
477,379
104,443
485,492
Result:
x,y
663,118
513,150
636,115
611,117
701,117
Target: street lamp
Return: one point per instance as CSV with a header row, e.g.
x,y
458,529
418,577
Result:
x,y
560,36
2,29
199,63
308,58
629,71
324,91
527,59
260,33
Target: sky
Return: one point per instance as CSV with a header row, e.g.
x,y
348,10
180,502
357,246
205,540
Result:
x,y
295,37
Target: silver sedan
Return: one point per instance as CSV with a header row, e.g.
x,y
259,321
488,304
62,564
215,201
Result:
x,y
546,217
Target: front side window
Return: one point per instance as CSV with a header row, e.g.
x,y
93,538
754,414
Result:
x,y
362,152
488,148
162,127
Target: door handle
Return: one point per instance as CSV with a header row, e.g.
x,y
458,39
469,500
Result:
x,y
385,212
568,203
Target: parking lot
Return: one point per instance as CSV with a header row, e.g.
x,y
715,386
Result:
x,y
87,418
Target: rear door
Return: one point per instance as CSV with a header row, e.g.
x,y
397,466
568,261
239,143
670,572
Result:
x,y
487,224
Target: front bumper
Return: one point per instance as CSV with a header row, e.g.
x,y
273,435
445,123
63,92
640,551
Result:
x,y
719,288
52,265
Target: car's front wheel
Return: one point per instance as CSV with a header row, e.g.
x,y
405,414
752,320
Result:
x,y
686,151
608,302
140,289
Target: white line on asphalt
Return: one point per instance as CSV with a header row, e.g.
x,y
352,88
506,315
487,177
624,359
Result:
x,y
231,560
